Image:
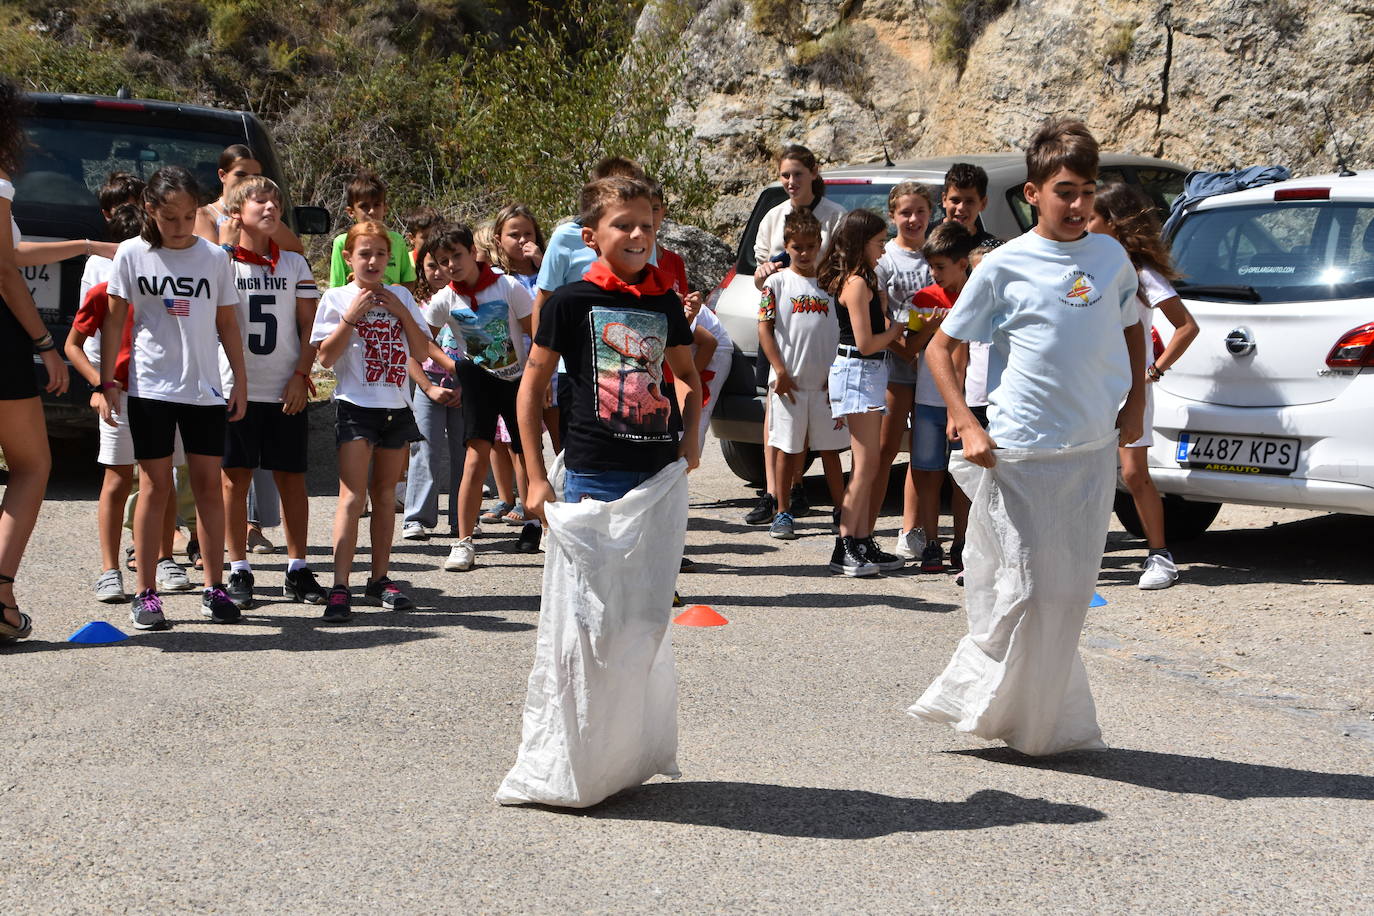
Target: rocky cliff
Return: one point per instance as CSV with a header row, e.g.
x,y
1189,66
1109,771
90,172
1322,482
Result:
x,y
1207,83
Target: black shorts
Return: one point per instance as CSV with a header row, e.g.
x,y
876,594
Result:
x,y
981,415
267,438
485,398
18,374
384,427
153,425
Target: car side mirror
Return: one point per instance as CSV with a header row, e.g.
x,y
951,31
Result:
x,y
312,220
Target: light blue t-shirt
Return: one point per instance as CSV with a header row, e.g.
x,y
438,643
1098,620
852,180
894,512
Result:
x,y
567,258
1053,312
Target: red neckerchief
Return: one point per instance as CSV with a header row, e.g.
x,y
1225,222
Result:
x,y
248,256
485,277
655,282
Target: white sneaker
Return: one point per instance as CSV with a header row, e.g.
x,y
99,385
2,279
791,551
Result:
x,y
414,531
1160,571
909,544
461,556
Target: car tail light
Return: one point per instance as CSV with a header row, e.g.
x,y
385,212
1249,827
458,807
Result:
x,y
1157,341
1303,194
1355,350
119,105
714,296
849,181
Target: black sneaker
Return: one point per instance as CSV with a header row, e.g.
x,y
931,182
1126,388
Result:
x,y
933,558
301,586
800,506
240,589
387,594
530,533
763,513
848,558
956,557
215,604
340,606
887,562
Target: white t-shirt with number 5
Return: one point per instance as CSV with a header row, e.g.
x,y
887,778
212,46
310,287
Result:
x,y
372,371
267,321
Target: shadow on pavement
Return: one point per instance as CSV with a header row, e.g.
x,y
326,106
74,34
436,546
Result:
x,y
832,814
816,600
1324,549
1191,775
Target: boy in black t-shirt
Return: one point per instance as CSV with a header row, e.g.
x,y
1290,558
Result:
x,y
614,329
966,196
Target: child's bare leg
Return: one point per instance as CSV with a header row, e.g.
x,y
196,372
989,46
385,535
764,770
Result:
x,y
154,493
470,490
354,458
166,547
119,480
834,476
522,478
387,465
864,430
236,484
209,493
928,502
899,399
295,512
504,473
1135,472
551,427
781,487
959,506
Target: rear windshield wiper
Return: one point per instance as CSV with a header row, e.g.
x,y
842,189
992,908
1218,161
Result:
x,y
1240,293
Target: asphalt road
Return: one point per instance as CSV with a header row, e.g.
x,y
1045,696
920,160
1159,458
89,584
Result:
x,y
280,766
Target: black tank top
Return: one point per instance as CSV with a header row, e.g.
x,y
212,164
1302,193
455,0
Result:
x,y
877,321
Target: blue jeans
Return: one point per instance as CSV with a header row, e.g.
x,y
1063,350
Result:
x,y
607,486
438,457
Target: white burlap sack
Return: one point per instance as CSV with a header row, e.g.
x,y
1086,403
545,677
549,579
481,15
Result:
x,y
601,708
1034,546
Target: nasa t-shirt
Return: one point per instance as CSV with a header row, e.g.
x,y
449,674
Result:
x,y
1054,312
622,416
372,371
267,322
174,353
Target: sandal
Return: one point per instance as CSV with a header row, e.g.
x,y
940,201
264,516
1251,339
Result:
x,y
193,553
8,631
497,512
129,562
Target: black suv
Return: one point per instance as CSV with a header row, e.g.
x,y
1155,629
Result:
x,y
75,141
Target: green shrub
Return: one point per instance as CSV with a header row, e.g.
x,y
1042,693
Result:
x,y
1120,41
956,24
837,59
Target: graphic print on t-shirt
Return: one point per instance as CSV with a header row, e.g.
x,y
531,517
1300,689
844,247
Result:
x,y
384,348
486,331
179,308
1081,289
628,348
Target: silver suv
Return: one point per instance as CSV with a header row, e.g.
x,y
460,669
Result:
x,y
738,418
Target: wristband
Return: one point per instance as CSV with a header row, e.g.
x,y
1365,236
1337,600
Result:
x,y
304,375
1155,373
106,386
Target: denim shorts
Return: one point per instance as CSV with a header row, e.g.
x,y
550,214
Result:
x,y
857,386
606,486
929,444
384,427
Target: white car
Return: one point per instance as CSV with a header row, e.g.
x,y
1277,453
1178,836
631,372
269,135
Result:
x,y
738,418
1273,404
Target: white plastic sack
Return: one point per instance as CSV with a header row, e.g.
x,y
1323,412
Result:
x,y
1034,546
601,708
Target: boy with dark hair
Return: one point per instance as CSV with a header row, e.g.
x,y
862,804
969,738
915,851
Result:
x,y
366,195
965,197
946,252
1058,306
616,533
798,334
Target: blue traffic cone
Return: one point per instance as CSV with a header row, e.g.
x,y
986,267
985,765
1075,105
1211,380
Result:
x,y
98,633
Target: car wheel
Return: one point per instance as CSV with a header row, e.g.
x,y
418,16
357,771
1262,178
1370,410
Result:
x,y
1184,519
745,459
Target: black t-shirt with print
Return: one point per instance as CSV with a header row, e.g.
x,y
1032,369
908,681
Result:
x,y
622,416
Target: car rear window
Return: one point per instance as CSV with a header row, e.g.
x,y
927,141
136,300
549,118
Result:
x,y
1159,184
68,160
1278,252
869,195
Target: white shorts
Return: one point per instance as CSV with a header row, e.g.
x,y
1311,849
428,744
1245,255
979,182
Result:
x,y
1147,439
117,443
793,427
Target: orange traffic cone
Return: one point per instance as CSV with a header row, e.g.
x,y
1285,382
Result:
x,y
700,615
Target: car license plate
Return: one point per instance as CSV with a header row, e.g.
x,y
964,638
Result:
x,y
45,286
1238,454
